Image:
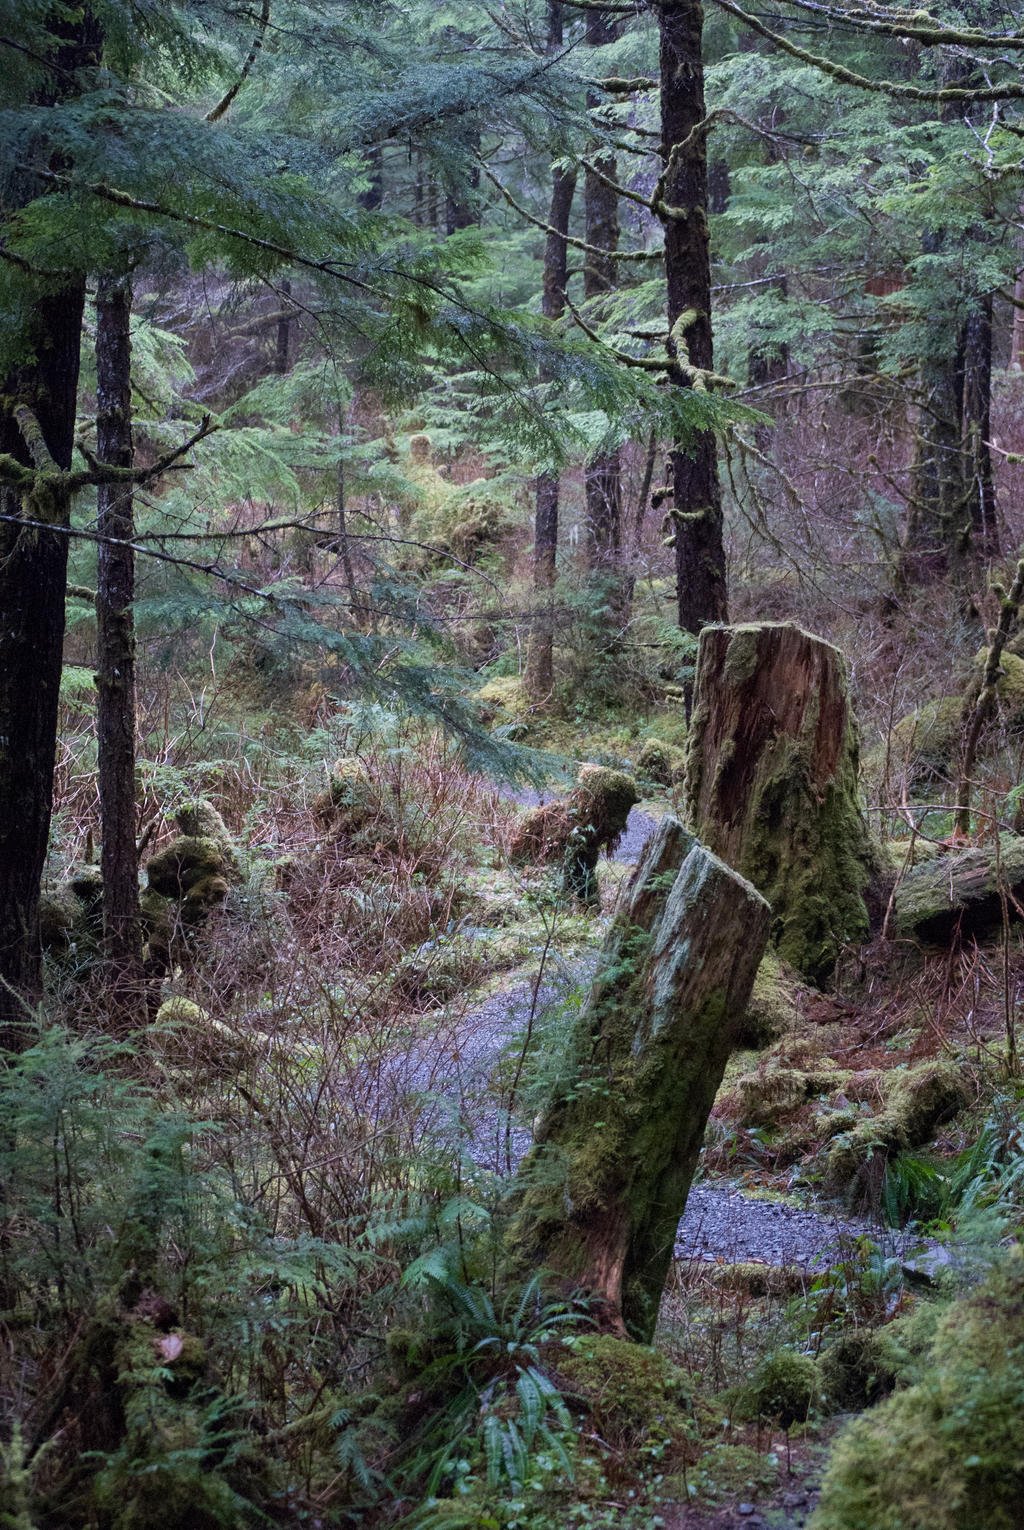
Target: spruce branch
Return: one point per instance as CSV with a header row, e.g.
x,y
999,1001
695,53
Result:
x,y
577,244
943,95
915,26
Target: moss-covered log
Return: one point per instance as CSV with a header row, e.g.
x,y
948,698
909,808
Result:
x,y
599,1197
771,784
964,892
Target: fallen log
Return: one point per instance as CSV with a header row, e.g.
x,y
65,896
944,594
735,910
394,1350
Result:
x,y
771,784
599,1196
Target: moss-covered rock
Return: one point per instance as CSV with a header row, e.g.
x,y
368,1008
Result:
x,y
71,919
917,1101
785,1387
761,1098
962,891
349,801
924,745
945,1454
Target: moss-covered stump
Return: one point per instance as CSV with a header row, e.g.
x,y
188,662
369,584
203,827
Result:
x,y
963,892
661,762
591,819
599,1197
349,801
946,1454
71,919
771,784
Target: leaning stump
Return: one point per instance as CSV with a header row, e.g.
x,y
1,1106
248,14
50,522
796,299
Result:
x,y
771,784
598,1199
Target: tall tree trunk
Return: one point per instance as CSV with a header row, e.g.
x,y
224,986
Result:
x,y
33,579
603,473
539,675
115,592
700,553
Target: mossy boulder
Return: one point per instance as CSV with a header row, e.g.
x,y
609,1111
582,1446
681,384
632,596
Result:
x,y
924,745
946,1454
917,1101
349,801
785,1387
962,892
661,762
763,1097
71,918
190,865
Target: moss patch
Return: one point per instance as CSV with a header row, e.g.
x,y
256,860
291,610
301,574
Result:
x,y
917,1100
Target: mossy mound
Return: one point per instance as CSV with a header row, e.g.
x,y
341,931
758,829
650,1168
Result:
x,y
856,1371
199,819
925,743
961,892
945,1454
725,1473
757,1280
502,699
917,1101
190,866
633,1393
785,1387
661,762
776,1004
763,1097
349,802
71,918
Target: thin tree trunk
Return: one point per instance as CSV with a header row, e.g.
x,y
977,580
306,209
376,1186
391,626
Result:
x,y
699,547
538,678
603,473
284,333
977,430
115,591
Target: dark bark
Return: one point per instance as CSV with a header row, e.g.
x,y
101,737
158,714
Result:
x,y
115,639
700,553
603,473
539,675
33,579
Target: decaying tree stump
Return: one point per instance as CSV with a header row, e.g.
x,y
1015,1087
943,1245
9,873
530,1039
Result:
x,y
599,1196
771,784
